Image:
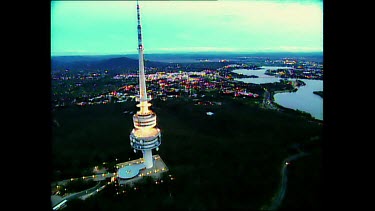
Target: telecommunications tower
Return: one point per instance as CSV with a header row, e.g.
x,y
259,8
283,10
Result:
x,y
145,136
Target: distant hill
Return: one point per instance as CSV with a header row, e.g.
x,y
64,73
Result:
x,y
187,61
216,56
92,63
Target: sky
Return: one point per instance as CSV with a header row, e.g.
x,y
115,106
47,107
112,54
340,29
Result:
x,y
110,27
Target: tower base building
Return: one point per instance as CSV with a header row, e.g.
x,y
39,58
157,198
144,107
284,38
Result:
x,y
134,170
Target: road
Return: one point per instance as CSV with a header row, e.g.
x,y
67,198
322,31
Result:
x,y
85,193
284,179
98,177
88,192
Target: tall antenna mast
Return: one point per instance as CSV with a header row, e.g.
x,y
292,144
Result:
x,y
145,136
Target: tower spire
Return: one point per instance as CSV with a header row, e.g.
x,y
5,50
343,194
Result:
x,y
142,79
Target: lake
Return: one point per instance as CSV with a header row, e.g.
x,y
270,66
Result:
x,y
304,99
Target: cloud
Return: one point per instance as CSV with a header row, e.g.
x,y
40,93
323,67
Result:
x,y
194,49
226,26
227,49
299,48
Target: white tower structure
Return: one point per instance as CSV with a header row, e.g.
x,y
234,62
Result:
x,y
145,136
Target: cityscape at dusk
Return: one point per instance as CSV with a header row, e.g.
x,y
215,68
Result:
x,y
186,105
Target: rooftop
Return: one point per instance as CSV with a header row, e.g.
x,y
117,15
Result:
x,y
130,171
158,168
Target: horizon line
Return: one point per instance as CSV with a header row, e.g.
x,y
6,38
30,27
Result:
x,y
187,52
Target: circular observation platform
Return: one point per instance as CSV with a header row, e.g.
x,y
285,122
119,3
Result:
x,y
149,138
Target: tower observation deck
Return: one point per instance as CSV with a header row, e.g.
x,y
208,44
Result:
x,y
145,136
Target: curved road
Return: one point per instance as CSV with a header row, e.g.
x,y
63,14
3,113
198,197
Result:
x,y
281,193
85,193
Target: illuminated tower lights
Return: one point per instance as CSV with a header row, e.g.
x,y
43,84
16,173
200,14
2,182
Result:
x,y
145,136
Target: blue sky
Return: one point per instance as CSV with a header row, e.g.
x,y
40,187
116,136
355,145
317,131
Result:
x,y
110,27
